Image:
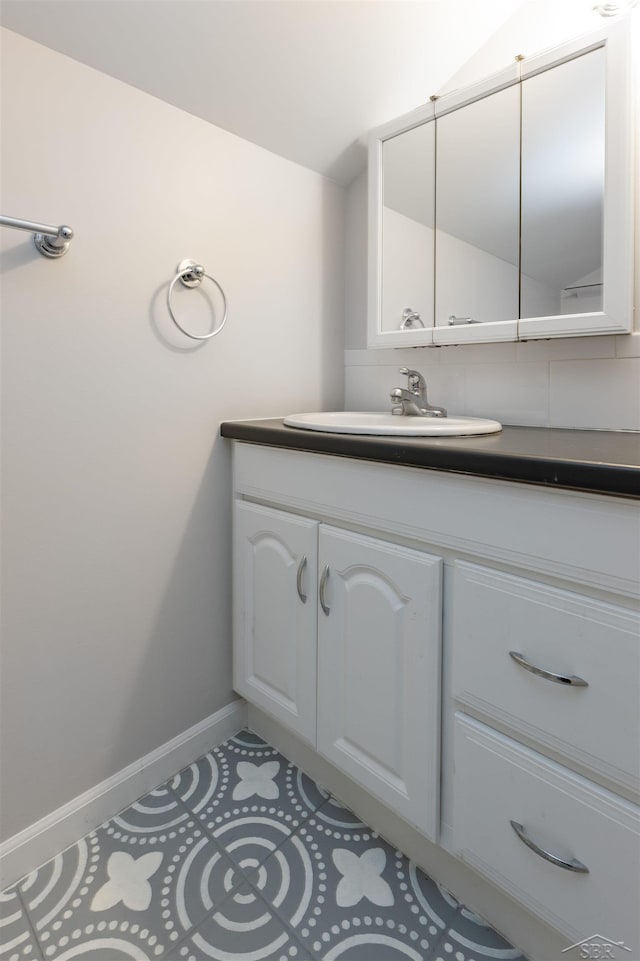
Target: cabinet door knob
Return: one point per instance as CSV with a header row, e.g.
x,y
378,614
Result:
x,y
569,679
572,865
301,567
323,583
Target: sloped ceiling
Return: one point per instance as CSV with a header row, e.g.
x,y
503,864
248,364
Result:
x,y
305,79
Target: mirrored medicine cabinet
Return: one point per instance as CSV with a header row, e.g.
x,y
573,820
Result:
x,y
504,211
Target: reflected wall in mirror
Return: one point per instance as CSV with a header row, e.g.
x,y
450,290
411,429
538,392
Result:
x,y
477,210
408,184
563,161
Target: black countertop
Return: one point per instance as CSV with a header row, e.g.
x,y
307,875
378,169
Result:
x,y
604,462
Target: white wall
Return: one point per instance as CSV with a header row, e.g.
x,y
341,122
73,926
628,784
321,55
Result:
x,y
579,382
116,487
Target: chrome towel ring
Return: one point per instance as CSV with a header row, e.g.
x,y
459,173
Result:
x,y
191,274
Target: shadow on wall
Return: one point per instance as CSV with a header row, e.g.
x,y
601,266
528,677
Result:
x,y
19,255
353,158
332,306
196,605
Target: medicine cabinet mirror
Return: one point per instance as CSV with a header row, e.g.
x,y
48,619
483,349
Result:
x,y
504,211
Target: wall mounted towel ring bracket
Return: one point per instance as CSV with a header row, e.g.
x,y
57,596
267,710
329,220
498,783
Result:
x,y
191,274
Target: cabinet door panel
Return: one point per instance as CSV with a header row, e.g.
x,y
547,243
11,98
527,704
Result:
x,y
274,629
379,670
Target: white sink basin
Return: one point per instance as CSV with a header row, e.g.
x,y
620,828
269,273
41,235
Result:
x,y
370,422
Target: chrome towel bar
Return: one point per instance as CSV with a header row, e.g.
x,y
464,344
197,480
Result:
x,y
50,241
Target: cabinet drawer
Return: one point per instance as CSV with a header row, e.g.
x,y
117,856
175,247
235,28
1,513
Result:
x,y
560,633
499,781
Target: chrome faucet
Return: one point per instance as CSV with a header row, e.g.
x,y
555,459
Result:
x,y
413,402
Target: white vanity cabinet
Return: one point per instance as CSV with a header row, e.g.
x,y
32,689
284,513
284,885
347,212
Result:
x,y
468,652
358,647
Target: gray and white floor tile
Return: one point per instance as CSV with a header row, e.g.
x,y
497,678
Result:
x,y
244,927
132,888
245,769
348,894
249,797
239,857
17,942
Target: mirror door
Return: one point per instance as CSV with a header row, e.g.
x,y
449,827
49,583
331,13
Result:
x,y
577,186
477,218
563,160
401,187
408,183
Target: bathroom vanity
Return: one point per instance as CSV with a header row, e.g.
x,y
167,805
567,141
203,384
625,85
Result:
x,y
453,624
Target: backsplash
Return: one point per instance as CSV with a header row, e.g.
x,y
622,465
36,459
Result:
x,y
587,383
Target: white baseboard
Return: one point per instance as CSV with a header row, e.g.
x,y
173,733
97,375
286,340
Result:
x,y
26,851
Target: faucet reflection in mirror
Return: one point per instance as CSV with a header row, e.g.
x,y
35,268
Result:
x,y
410,318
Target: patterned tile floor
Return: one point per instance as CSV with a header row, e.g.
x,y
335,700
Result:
x,y
240,856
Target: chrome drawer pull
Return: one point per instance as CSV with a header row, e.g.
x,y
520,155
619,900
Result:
x,y
573,865
301,567
323,583
548,676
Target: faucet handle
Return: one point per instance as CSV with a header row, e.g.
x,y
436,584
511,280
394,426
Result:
x,y
417,383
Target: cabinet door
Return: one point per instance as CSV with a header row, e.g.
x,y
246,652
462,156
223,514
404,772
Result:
x,y
379,635
275,614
